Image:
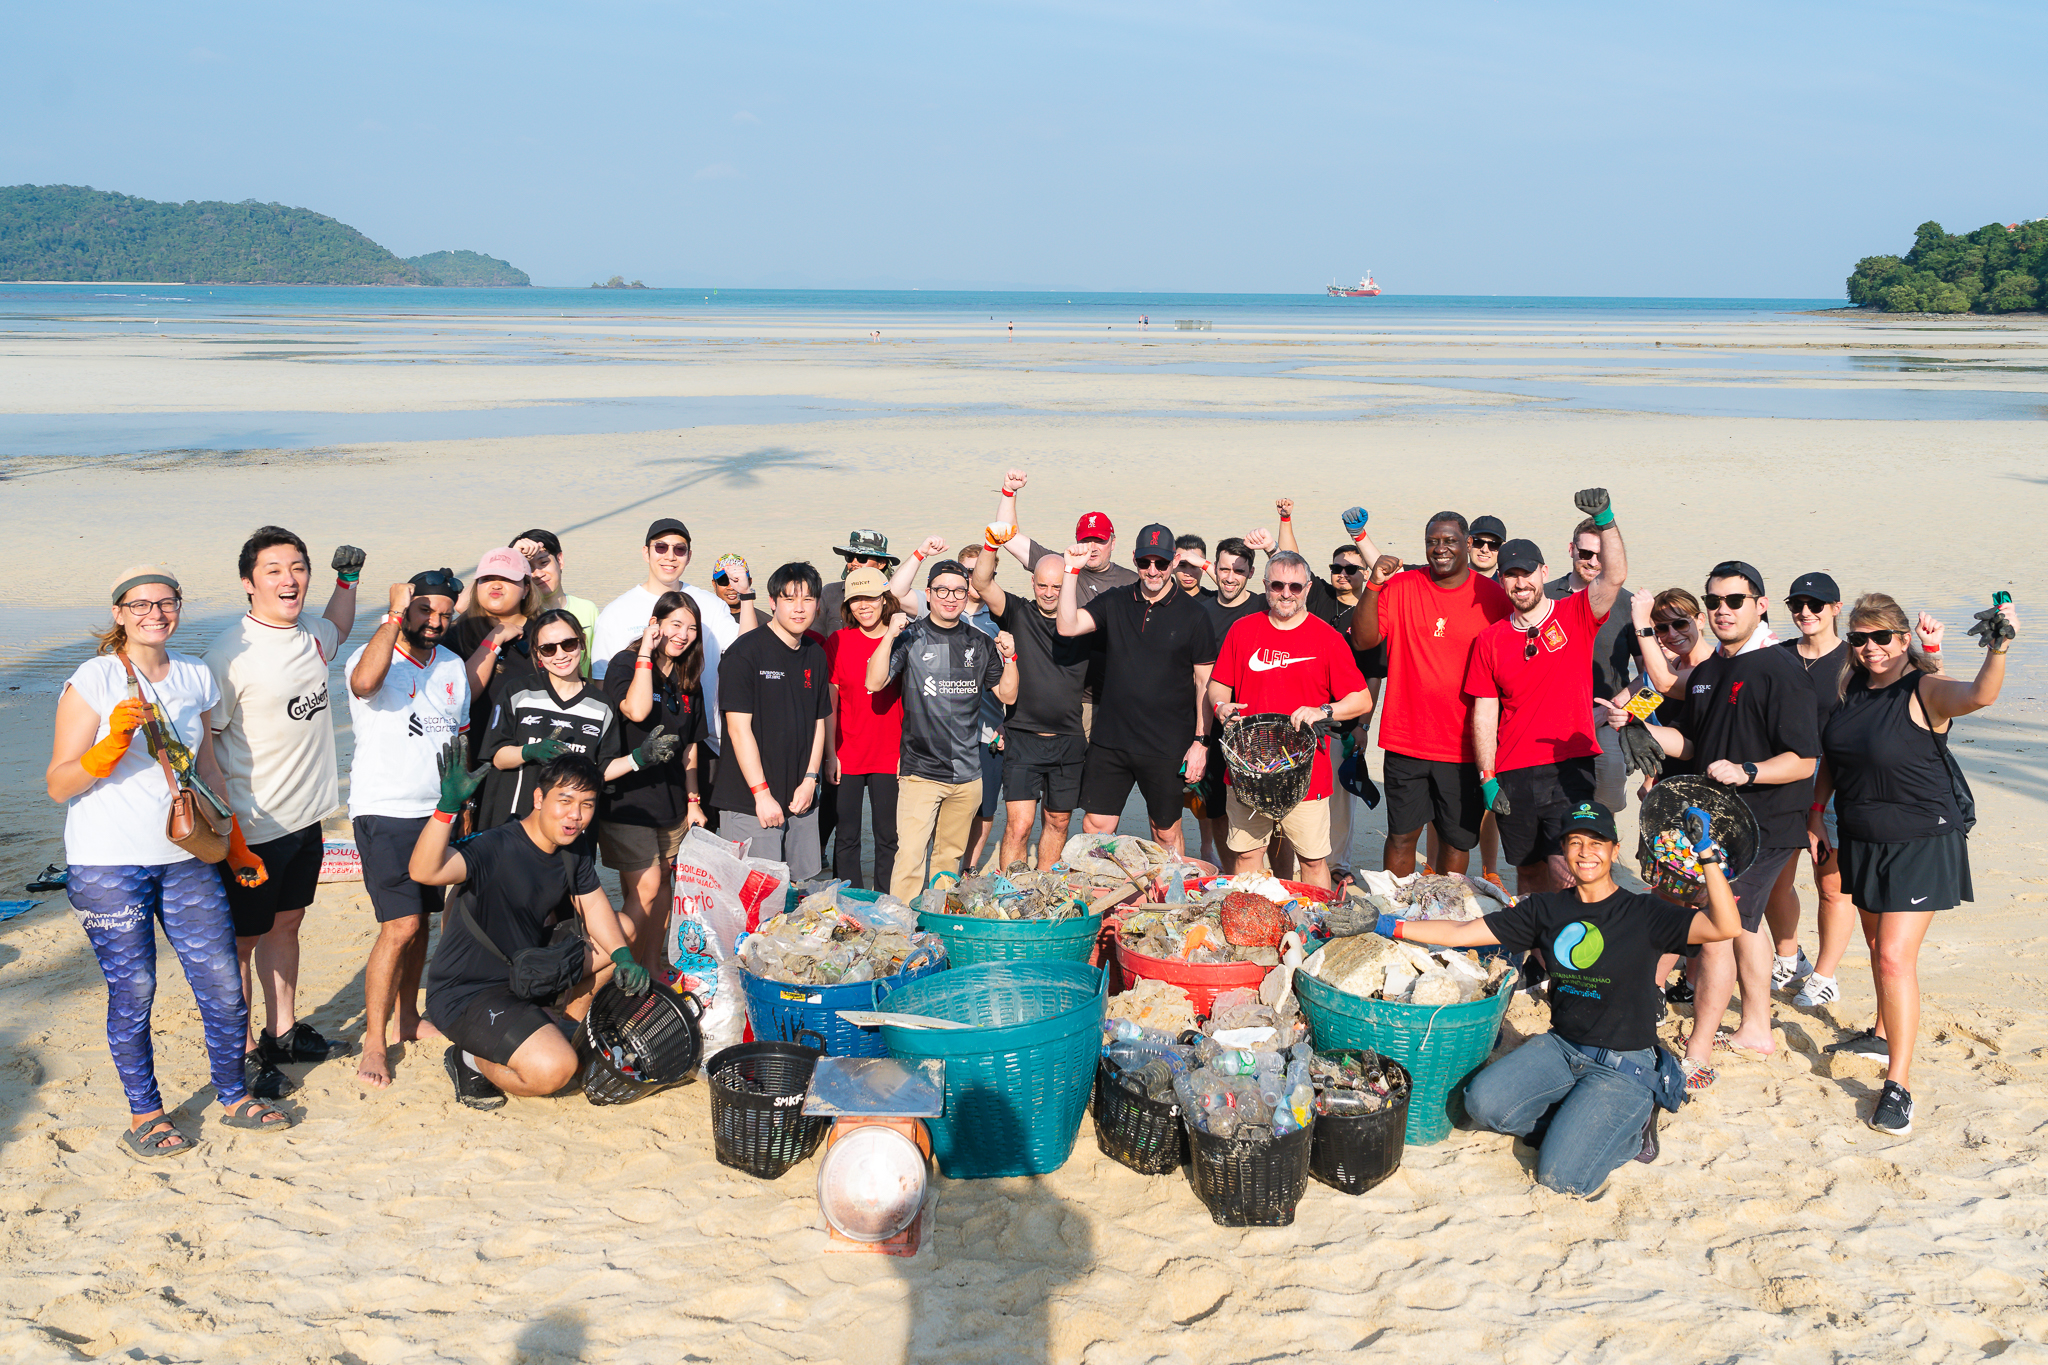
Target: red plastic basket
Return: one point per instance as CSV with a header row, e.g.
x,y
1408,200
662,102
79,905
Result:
x,y
1203,981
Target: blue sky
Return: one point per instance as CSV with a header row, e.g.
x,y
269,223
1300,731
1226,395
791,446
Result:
x,y
1622,149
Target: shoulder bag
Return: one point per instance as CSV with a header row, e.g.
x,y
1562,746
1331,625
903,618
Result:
x,y
195,825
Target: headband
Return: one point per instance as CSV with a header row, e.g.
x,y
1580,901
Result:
x,y
121,588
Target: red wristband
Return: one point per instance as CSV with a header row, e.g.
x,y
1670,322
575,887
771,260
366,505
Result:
x,y
446,817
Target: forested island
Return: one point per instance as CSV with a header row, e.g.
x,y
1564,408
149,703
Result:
x,y
1999,268
73,233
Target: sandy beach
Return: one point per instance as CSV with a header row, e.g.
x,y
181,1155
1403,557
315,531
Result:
x,y
396,1226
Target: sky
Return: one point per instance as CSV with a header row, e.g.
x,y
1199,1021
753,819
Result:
x,y
1684,149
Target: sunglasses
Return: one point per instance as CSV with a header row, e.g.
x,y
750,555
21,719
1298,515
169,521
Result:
x,y
669,547
1345,570
1733,599
554,647
1859,638
1812,606
1485,543
1670,627
1151,562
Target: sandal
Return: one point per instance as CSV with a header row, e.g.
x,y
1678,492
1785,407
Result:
x,y
1698,1076
250,1112
155,1139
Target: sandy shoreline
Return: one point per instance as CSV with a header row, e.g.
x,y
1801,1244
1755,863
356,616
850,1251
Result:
x,y
398,1227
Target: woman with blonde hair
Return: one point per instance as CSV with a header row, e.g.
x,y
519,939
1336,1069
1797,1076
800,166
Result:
x,y
126,874
1900,807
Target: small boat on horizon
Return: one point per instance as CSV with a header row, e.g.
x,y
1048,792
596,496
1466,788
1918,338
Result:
x,y
1366,289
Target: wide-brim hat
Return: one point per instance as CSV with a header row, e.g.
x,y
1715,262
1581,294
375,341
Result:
x,y
867,545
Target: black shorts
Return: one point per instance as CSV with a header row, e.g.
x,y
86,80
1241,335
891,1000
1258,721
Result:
x,y
386,843
1108,775
1538,798
1918,874
1753,886
293,862
1043,768
494,1023
1422,792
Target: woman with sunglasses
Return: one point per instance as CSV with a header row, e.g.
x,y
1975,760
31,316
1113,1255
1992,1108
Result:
x,y
1905,842
549,711
126,876
657,688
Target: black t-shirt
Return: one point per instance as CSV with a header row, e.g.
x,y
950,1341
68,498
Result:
x,y
945,671
1753,707
1892,783
785,690
1603,960
524,708
1147,704
513,892
1825,673
656,795
462,640
1052,669
1614,648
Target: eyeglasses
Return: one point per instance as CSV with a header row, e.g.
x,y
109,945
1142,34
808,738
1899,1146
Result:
x,y
1859,638
669,548
1286,589
1485,543
1529,650
166,607
1345,570
554,647
1153,562
1670,627
1733,599
1812,606
948,594
1578,553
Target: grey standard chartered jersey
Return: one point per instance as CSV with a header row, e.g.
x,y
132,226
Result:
x,y
944,673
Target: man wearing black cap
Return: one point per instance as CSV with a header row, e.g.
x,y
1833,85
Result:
x,y
1531,684
624,619
1587,1092
1615,653
1488,535
1152,715
407,697
1748,722
863,549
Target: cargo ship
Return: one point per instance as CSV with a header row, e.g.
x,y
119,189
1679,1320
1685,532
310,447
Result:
x,y
1366,289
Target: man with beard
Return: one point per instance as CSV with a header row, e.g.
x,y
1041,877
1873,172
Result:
x,y
1531,685
407,696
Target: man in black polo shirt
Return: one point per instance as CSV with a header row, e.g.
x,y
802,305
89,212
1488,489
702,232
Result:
x,y
1747,721
1152,715
772,689
1043,746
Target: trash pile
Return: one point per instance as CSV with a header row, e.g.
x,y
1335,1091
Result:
x,y
830,941
1052,895
1411,973
1354,1082
1242,920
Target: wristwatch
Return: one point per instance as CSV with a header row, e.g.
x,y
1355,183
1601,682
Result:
x,y
1749,771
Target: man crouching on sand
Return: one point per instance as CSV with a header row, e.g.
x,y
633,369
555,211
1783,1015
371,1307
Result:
x,y
517,882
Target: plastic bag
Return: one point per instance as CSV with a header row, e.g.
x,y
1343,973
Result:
x,y
720,894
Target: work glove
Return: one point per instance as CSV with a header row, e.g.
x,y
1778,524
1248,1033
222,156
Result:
x,y
348,563
1595,504
1698,826
631,976
247,867
659,747
543,750
1993,627
129,715
1354,521
1495,802
458,780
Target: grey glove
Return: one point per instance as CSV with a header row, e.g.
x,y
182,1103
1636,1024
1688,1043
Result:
x,y
348,563
659,747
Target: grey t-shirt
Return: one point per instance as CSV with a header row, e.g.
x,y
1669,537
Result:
x,y
1614,649
944,673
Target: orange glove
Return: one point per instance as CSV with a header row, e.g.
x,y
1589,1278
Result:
x,y
248,868
129,715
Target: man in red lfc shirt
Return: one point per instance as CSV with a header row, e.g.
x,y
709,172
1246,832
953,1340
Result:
x,y
1285,661
1429,618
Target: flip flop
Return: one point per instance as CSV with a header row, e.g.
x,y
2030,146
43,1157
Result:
x,y
254,1114
154,1140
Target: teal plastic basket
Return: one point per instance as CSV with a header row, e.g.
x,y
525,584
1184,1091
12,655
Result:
x,y
1018,1081
971,940
1442,1046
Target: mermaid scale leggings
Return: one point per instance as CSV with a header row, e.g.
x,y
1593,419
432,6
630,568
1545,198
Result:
x,y
118,907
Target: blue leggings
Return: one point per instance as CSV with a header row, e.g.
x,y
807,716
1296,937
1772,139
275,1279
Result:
x,y
118,906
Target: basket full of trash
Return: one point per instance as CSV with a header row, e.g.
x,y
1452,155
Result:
x,y
1271,760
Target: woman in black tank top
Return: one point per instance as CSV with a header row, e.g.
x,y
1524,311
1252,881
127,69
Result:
x,y
1903,852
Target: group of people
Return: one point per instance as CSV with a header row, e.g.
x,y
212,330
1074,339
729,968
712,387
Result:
x,y
509,736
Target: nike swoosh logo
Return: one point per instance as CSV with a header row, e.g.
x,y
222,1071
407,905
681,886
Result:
x,y
1917,899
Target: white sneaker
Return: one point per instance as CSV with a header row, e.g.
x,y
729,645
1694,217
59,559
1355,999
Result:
x,y
1818,990
1785,971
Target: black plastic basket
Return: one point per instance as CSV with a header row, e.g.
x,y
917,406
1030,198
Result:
x,y
1271,762
1246,1183
758,1124
1354,1152
1144,1134
640,1045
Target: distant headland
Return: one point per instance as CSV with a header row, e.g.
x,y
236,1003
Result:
x,y
1999,268
73,233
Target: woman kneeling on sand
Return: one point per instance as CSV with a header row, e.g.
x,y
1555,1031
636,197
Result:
x,y
1586,1093
126,874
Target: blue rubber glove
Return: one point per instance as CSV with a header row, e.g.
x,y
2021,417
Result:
x,y
1384,925
1354,521
631,976
1699,833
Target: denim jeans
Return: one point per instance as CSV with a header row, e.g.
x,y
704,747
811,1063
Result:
x,y
1590,1116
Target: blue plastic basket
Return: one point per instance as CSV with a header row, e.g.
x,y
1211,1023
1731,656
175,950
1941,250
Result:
x,y
1018,1081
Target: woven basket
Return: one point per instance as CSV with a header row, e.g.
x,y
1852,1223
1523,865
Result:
x,y
1144,1134
971,940
758,1124
1018,1080
1441,1046
1271,762
1250,1184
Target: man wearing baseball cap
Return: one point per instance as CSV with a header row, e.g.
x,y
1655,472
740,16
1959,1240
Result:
x,y
1530,679
862,550
1151,723
1594,1083
624,619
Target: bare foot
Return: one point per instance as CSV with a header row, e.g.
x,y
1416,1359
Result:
x,y
374,1070
419,1030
